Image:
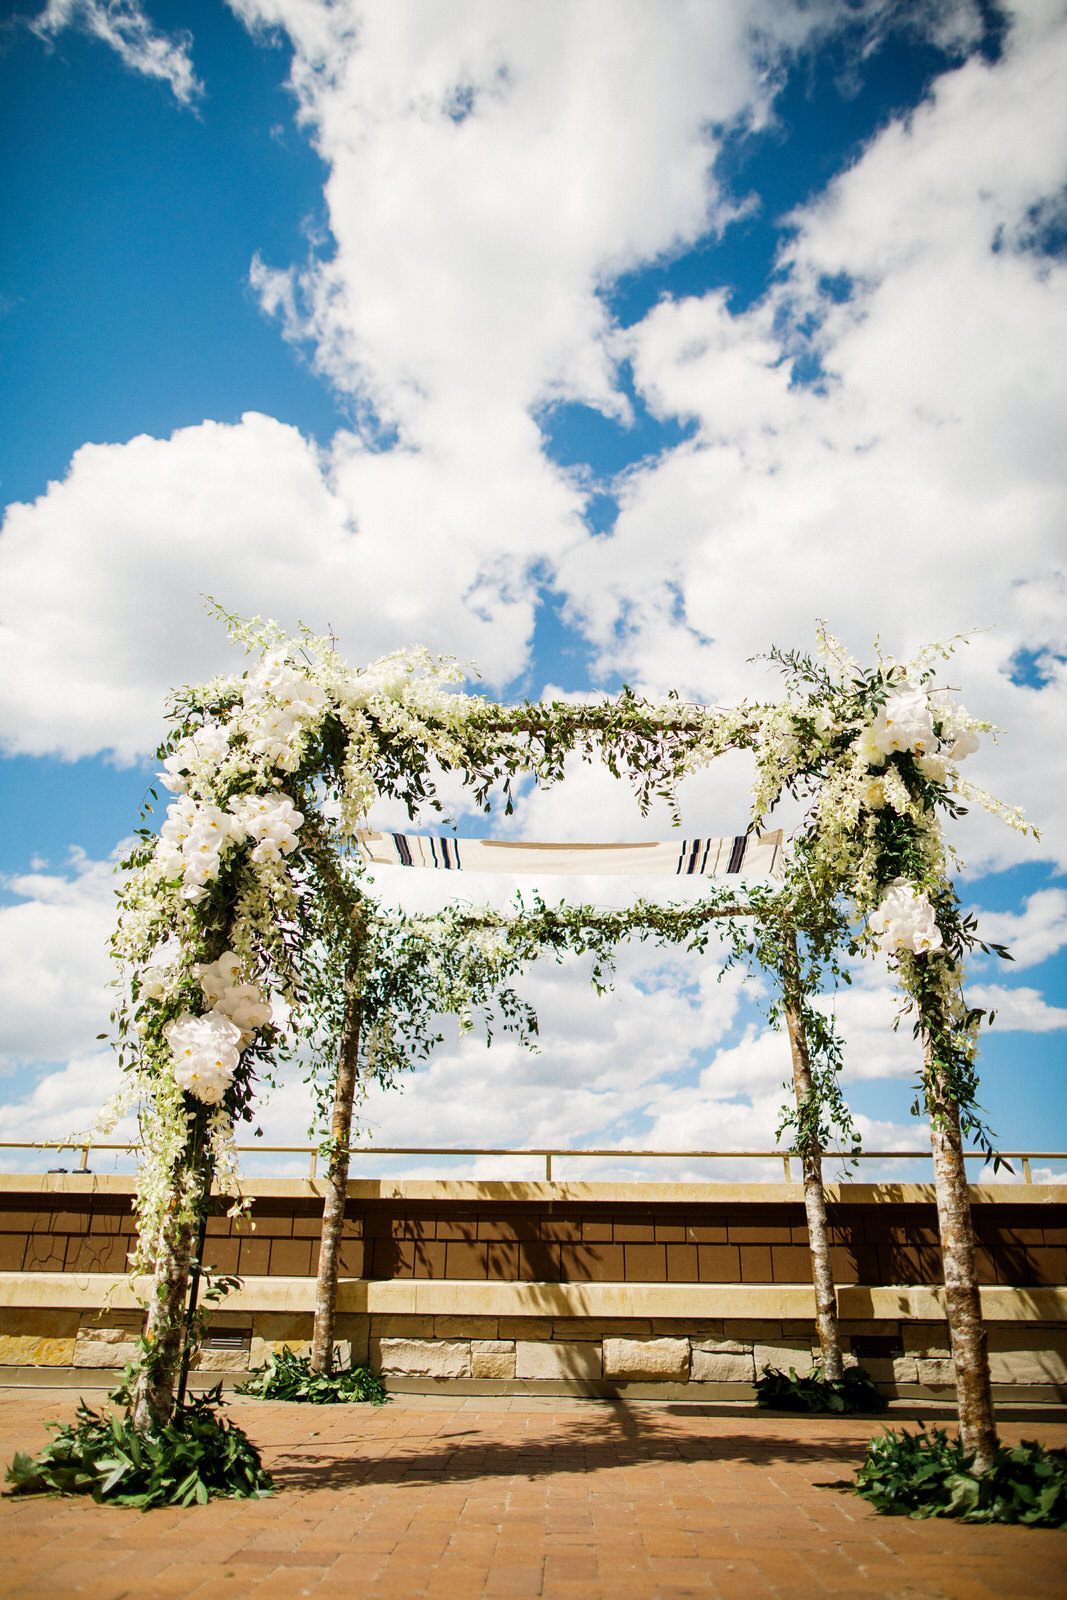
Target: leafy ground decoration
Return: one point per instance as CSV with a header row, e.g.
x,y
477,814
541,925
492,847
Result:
x,y
856,1391
195,1456
285,1376
928,1475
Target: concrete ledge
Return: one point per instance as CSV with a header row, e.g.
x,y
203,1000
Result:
x,y
476,1298
473,1191
104,1378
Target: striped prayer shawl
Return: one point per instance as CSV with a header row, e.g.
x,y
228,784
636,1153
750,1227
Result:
x,y
754,855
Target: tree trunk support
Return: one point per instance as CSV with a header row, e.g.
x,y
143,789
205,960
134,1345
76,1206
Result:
x,y
974,1394
333,1208
814,1194
166,1325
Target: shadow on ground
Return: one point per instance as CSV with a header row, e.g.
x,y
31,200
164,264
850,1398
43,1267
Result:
x,y
579,1445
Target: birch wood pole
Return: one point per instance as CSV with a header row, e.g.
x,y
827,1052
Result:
x,y
822,1276
333,1207
970,1357
166,1327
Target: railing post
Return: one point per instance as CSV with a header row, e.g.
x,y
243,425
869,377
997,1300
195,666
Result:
x,y
314,1163
548,1166
1026,1170
788,1168
84,1162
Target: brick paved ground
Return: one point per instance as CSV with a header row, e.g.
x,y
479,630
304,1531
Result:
x,y
484,1500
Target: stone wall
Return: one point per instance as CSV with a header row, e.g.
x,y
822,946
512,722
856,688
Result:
x,y
597,1288
555,1239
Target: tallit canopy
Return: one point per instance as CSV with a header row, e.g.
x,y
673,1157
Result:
x,y
754,855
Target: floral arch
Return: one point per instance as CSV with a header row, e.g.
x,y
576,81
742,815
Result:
x,y
252,890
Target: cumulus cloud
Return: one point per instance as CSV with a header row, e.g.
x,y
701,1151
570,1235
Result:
x,y
1018,1010
492,168
55,966
1033,934
124,27
915,487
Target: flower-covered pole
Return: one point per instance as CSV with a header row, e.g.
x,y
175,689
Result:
x,y
166,1330
970,1356
810,1152
334,1200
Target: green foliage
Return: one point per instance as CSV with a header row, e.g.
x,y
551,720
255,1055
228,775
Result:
x,y
285,1376
856,1391
928,1475
198,1454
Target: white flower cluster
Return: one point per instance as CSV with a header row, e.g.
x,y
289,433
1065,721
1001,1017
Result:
x,y
906,722
205,1050
195,758
905,920
195,834
281,702
244,1003
272,820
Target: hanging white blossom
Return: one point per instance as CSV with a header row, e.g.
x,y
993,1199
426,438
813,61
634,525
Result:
x,y
205,1053
904,722
905,919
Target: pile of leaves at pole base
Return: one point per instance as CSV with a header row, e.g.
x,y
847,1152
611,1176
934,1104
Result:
x,y
187,1461
287,1376
812,1393
928,1475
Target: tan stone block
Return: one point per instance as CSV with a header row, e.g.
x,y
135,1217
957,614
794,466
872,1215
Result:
x,y
424,1358
465,1327
103,1352
713,1366
925,1339
602,1328
221,1361
281,1327
260,1350
28,1350
39,1322
525,1328
542,1359
689,1327
665,1360
734,1347
905,1369
783,1354
400,1326
750,1332
121,1333
1028,1366
354,1330
492,1358
935,1370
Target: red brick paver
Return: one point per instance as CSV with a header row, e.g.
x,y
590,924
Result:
x,y
470,1499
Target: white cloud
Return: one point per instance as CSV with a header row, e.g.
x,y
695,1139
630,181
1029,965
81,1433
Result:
x,y
1033,934
492,166
920,490
55,965
1017,1010
124,27
252,515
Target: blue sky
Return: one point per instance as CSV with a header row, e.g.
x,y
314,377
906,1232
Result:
x,y
591,354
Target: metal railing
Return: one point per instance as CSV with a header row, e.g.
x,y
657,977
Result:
x,y
1025,1157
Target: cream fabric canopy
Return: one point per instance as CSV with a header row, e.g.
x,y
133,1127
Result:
x,y
754,855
